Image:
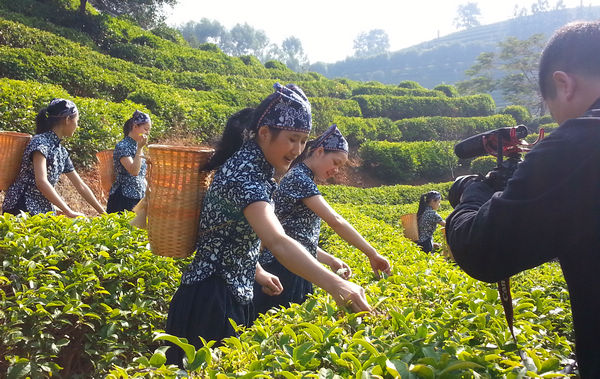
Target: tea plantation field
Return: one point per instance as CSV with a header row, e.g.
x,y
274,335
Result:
x,y
86,298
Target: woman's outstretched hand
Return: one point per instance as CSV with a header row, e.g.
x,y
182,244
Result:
x,y
380,264
351,296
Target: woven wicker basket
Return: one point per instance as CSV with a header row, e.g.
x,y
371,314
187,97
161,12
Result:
x,y
176,189
12,146
106,169
409,223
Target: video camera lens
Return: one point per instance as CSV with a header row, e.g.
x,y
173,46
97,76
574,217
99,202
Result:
x,y
458,187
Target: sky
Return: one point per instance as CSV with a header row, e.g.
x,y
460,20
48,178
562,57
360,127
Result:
x,y
327,28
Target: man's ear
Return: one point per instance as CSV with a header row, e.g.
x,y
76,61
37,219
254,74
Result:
x,y
565,85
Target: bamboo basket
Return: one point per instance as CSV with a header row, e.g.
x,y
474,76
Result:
x,y
176,190
12,146
106,169
409,223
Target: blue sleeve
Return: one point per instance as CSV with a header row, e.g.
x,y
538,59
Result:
x,y
242,193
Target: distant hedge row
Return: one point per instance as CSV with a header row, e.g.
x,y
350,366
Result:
x,y
394,91
358,130
100,122
400,107
450,128
19,36
325,109
385,195
408,161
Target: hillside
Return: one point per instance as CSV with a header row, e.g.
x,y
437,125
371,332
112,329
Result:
x,y
445,59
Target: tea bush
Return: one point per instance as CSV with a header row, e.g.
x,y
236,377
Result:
x,y
358,130
406,161
86,298
430,321
394,91
399,107
78,296
449,128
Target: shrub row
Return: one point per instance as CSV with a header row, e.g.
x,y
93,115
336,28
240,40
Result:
x,y
449,128
20,36
358,130
399,194
399,107
396,162
325,109
100,122
394,91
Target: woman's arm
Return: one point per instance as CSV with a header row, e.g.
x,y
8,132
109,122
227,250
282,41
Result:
x,y
343,228
133,165
295,258
85,191
334,263
49,192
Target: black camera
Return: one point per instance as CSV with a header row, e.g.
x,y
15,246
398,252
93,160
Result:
x,y
502,142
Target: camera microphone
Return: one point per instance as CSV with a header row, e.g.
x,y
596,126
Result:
x,y
474,146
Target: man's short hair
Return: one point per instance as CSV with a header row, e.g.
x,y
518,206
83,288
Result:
x,y
574,48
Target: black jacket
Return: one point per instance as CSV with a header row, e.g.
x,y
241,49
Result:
x,y
549,209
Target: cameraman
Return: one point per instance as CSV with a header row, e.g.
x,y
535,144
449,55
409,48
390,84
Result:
x,y
550,208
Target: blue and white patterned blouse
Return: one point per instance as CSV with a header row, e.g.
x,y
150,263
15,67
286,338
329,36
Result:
x,y
132,187
428,223
57,163
227,245
298,221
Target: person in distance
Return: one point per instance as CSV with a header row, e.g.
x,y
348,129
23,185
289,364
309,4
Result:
x,y
130,165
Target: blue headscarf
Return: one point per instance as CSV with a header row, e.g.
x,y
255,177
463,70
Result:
x,y
289,110
61,108
140,117
332,140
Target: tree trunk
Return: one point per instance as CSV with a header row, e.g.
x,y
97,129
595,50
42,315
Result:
x,y
82,5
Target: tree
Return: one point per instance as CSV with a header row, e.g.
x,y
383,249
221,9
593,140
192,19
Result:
x,y
197,33
373,42
292,54
513,71
245,40
467,16
540,6
147,13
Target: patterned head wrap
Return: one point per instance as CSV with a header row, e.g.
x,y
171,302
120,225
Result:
x,y
61,108
289,110
332,140
140,117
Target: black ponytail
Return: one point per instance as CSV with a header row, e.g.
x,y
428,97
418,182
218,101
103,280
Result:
x,y
307,152
233,135
43,123
232,138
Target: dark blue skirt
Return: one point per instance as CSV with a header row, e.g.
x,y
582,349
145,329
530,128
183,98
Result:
x,y
118,203
203,309
295,289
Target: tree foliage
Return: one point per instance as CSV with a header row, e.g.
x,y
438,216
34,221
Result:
x,y
147,13
513,71
373,42
467,16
